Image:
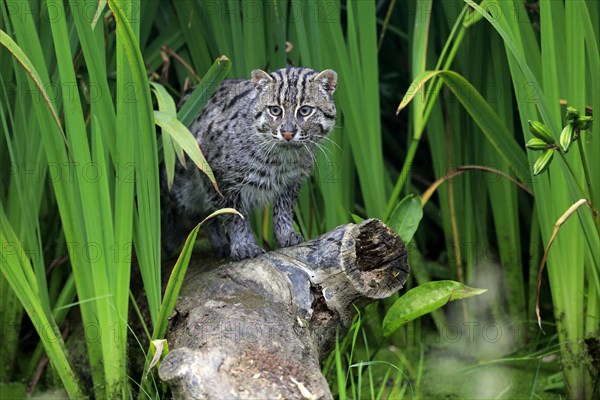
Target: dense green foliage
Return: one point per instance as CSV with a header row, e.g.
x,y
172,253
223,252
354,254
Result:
x,y
79,160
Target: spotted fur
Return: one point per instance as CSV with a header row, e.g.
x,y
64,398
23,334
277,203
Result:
x,y
259,137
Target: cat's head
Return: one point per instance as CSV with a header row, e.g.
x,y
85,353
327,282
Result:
x,y
294,105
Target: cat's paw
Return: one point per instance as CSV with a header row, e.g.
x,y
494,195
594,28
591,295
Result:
x,y
246,250
292,239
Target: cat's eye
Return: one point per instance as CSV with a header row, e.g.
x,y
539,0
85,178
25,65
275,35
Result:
x,y
275,111
305,111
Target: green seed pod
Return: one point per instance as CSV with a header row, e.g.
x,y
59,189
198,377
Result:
x,y
566,137
543,162
539,130
536,144
572,114
583,123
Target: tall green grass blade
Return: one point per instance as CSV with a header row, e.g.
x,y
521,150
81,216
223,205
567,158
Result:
x,y
62,306
564,79
111,346
178,273
503,197
125,167
16,268
540,100
485,117
167,106
593,57
147,239
172,291
53,140
428,99
339,368
361,122
183,137
198,98
30,69
193,19
419,59
102,105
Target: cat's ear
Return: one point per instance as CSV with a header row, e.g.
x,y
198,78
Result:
x,y
327,79
260,79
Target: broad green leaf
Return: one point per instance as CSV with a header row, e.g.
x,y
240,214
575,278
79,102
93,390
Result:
x,y
406,217
198,98
424,299
184,138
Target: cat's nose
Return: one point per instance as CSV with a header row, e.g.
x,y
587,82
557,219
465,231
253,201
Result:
x,y
288,135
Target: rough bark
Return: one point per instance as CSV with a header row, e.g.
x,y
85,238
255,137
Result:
x,y
259,328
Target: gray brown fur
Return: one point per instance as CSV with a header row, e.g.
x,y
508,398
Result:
x,y
257,157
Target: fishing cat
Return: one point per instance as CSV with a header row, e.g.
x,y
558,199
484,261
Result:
x,y
259,137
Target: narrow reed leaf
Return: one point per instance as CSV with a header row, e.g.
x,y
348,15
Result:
x,y
14,266
102,105
178,273
540,100
481,112
184,138
98,13
29,68
166,104
147,232
419,59
172,290
339,369
198,98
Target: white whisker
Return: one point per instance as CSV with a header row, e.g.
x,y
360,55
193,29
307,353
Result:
x,y
331,141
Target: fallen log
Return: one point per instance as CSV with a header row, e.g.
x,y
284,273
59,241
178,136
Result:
x,y
258,328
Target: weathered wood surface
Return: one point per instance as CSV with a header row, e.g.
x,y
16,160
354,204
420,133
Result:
x,y
258,328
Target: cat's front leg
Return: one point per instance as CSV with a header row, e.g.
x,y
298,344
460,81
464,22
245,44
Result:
x,y
217,238
283,215
243,244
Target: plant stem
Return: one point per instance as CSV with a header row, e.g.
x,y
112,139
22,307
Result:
x,y
572,173
429,102
438,83
404,172
588,181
